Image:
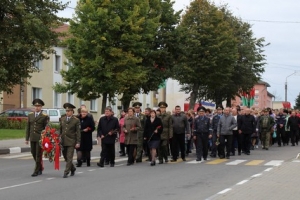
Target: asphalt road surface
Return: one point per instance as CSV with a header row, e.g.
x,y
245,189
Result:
x,y
180,180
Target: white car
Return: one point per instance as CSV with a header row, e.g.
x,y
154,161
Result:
x,y
54,113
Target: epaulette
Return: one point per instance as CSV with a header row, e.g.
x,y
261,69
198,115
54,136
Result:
x,y
30,113
44,114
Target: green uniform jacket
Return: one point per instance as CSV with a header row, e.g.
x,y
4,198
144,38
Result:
x,y
271,123
167,126
35,126
131,137
70,131
142,118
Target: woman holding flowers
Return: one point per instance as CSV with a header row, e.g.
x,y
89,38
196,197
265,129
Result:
x,y
153,129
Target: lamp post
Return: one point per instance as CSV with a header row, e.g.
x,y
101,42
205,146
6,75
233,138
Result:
x,y
285,86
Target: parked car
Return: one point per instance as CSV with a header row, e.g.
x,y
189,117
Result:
x,y
17,113
54,113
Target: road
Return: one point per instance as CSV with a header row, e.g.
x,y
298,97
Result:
x,y
181,180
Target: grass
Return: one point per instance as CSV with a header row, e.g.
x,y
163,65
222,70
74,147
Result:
x,y
6,134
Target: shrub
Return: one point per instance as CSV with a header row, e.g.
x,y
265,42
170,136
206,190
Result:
x,y
13,123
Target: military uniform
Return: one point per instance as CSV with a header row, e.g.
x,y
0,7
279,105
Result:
x,y
266,123
70,136
35,125
166,134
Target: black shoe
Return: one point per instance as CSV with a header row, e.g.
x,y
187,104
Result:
x,y
183,159
100,165
128,164
106,163
73,172
79,163
252,147
204,158
112,165
65,175
152,163
40,172
222,157
293,145
34,174
122,155
88,163
173,160
248,154
166,160
213,156
198,160
267,148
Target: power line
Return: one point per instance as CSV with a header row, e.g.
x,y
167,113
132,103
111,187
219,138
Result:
x,y
270,21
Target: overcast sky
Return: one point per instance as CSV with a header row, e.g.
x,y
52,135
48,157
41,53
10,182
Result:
x,y
279,23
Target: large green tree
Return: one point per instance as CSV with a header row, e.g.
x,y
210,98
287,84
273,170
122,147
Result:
x,y
113,48
207,49
26,35
297,102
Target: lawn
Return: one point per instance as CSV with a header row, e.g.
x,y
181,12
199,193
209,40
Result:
x,y
11,134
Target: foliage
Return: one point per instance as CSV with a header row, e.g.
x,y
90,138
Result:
x,y
12,123
6,134
297,102
26,36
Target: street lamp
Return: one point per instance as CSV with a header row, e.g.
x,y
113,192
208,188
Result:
x,y
296,72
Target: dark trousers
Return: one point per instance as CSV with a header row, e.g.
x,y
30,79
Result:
x,y
108,153
131,150
222,145
202,145
236,139
246,144
294,136
214,147
36,152
122,148
68,153
281,135
178,140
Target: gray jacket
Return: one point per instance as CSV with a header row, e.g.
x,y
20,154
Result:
x,y
180,124
226,124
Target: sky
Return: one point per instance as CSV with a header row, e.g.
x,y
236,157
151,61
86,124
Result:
x,y
279,23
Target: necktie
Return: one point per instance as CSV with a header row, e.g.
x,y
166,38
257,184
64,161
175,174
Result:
x,y
68,118
36,114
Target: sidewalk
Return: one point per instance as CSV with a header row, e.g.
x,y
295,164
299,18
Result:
x,y
281,182
19,146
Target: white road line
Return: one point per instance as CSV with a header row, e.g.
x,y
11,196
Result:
x,y
268,169
296,161
242,182
13,186
274,163
50,178
224,191
256,175
17,156
194,162
90,170
236,162
119,165
79,172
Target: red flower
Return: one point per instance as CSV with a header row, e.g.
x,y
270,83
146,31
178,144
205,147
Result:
x,y
158,127
47,145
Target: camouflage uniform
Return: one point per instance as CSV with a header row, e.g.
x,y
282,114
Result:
x,y
266,131
165,136
140,142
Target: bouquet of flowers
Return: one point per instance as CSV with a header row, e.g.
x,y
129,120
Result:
x,y
51,145
217,142
154,132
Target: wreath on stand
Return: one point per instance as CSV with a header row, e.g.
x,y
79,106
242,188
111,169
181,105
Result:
x,y
51,145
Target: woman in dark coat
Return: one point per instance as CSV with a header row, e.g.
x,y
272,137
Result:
x,y
153,129
86,144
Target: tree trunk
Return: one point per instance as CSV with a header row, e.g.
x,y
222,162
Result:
x,y
193,96
228,102
126,98
104,101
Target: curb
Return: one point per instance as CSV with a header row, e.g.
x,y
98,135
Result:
x,y
22,149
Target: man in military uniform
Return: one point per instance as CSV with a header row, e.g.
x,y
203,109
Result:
x,y
142,117
70,136
166,134
266,124
214,126
37,122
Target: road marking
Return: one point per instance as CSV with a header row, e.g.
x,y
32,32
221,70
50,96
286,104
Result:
x,y
296,161
194,162
50,178
254,162
268,169
256,175
16,156
217,161
13,186
274,163
224,191
79,172
236,162
119,165
90,170
242,182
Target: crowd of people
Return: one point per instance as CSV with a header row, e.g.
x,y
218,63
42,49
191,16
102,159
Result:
x,y
158,134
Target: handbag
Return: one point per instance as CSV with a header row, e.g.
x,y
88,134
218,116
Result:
x,y
274,134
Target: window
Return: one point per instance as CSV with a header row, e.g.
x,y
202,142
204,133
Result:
x,y
256,91
70,98
53,113
56,100
256,97
36,93
38,64
57,63
93,105
256,103
81,102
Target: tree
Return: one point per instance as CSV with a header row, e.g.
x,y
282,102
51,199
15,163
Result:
x,y
207,50
26,35
114,46
297,102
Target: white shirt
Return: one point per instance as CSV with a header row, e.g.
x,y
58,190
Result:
x,y
236,128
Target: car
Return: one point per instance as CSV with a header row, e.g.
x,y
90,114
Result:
x,y
54,113
17,113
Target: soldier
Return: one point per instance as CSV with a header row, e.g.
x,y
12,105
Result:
x,y
201,134
166,134
70,136
142,118
214,126
266,123
37,122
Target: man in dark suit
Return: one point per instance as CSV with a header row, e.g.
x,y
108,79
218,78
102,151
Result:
x,y
70,136
37,122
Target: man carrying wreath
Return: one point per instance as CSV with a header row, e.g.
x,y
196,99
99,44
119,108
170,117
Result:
x,y
37,122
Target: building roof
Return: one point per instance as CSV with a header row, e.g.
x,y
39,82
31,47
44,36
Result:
x,y
270,95
264,83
